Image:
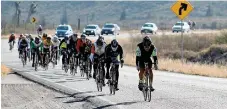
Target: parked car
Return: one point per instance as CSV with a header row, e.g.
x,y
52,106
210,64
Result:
x,y
92,30
110,28
63,31
177,27
149,28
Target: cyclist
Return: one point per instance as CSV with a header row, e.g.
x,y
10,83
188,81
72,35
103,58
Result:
x,y
83,47
114,51
12,38
98,51
47,44
55,46
72,45
23,45
36,46
144,51
39,30
44,37
63,48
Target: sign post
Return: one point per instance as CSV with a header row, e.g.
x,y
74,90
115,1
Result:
x,y
33,20
182,8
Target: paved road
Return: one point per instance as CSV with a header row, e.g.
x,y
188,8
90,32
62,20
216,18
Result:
x,y
19,93
173,91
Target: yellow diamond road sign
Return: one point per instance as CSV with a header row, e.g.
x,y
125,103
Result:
x,y
33,19
182,8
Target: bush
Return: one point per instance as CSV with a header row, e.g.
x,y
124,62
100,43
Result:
x,y
222,39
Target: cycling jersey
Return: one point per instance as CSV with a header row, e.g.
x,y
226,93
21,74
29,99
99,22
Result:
x,y
111,54
81,46
98,50
56,44
47,44
11,38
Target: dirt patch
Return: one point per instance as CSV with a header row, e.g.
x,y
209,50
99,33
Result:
x,y
5,70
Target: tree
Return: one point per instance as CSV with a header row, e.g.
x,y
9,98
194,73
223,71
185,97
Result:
x,y
123,15
92,17
64,19
43,21
209,11
31,11
16,16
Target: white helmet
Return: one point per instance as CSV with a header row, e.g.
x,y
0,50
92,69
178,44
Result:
x,y
55,39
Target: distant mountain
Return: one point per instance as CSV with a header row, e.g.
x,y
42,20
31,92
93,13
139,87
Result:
x,y
110,11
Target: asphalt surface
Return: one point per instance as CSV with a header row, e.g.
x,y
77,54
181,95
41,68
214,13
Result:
x,y
173,91
20,93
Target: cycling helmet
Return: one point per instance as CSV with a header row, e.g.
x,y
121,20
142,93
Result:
x,y
12,33
21,35
83,36
114,45
147,42
55,38
36,38
99,42
74,36
49,38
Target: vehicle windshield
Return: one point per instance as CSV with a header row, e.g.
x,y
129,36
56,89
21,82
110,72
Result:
x,y
179,24
62,28
109,26
147,25
90,27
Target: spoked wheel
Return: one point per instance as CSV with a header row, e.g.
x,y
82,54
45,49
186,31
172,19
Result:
x,y
145,89
75,67
149,90
54,60
112,82
46,62
99,81
36,62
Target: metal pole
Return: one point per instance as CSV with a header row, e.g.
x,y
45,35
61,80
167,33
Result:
x,y
182,43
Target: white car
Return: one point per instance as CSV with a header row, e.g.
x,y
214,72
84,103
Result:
x,y
110,28
92,30
149,28
177,27
63,31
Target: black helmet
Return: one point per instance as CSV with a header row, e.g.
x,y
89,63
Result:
x,y
99,42
36,39
147,41
48,38
114,45
83,36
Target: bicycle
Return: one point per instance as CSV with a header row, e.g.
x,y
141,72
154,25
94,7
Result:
x,y
82,64
65,65
99,74
71,64
11,46
113,80
36,62
54,57
147,84
22,56
47,61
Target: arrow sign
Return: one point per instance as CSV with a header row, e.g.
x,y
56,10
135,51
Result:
x,y
183,6
33,19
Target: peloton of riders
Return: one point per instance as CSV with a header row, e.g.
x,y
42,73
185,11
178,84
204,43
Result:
x,y
84,49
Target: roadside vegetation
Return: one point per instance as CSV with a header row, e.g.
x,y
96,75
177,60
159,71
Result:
x,y
204,55
4,70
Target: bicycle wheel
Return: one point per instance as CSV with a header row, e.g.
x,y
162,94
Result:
x,y
54,60
114,82
46,62
75,66
22,59
97,79
66,66
149,88
36,62
86,70
145,88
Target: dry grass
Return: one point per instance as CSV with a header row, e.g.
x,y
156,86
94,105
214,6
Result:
x,y
211,70
4,70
